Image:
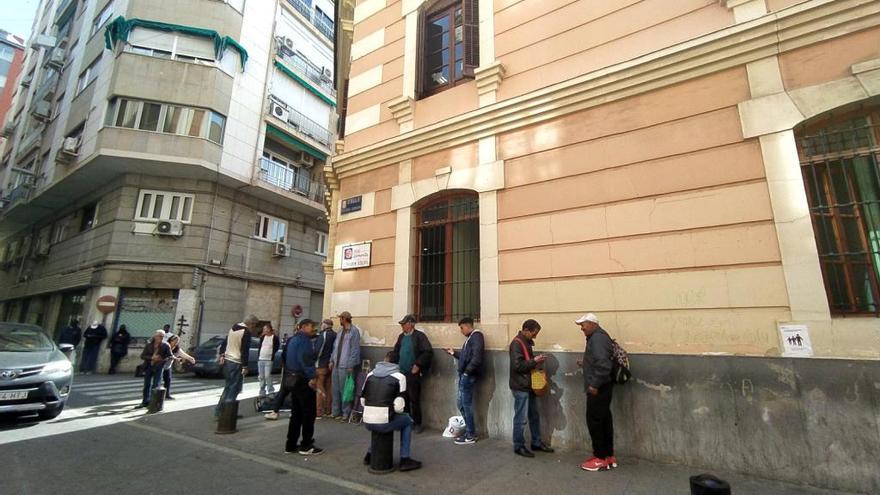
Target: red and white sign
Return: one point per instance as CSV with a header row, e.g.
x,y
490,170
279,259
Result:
x,y
296,311
106,304
356,255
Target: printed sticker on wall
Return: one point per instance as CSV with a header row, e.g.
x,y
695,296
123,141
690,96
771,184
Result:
x,y
795,341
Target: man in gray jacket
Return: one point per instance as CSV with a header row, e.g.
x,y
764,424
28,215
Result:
x,y
344,362
597,364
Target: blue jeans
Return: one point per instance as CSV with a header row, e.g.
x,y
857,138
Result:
x,y
400,422
152,377
264,368
233,384
466,403
525,404
337,385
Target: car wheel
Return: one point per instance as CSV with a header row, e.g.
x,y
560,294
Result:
x,y
50,413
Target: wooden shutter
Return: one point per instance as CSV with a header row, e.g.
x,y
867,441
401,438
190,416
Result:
x,y
470,10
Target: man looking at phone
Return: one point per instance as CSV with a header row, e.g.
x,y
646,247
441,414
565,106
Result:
x,y
525,403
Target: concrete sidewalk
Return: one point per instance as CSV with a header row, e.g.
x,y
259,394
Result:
x,y
487,467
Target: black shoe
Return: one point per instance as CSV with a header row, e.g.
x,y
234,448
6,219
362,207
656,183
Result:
x,y
524,452
140,406
310,450
418,428
168,397
542,448
367,459
409,464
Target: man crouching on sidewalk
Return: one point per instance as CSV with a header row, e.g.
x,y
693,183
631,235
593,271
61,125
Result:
x,y
384,403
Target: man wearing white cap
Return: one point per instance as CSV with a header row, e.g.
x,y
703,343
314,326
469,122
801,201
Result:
x,y
597,364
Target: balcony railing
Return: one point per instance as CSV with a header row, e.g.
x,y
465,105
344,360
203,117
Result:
x,y
46,90
307,11
306,126
306,68
291,180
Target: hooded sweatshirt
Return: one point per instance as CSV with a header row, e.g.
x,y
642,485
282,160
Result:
x,y
383,393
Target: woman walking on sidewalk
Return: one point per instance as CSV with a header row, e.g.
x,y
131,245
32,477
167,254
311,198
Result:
x,y
268,347
176,355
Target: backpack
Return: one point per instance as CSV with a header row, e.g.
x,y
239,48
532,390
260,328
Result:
x,y
620,373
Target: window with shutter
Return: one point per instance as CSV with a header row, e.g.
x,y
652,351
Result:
x,y
449,44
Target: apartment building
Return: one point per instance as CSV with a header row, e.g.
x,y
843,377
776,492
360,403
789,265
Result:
x,y
11,61
702,174
170,155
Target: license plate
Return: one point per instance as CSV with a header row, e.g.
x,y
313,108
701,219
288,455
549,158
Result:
x,y
14,395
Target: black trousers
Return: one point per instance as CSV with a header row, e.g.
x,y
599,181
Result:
x,y
302,417
414,389
282,394
166,380
114,362
600,422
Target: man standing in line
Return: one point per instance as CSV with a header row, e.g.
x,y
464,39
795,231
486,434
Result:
x,y
597,364
118,348
299,378
71,334
413,353
234,353
324,347
93,336
470,363
522,362
344,362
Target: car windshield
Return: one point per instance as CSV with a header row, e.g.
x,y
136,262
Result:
x,y
23,339
212,342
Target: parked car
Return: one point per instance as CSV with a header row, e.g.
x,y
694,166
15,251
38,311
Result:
x,y
35,373
207,352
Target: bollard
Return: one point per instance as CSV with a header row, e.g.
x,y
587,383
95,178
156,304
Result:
x,y
157,400
706,484
228,418
382,452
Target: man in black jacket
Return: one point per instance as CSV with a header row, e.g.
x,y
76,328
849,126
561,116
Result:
x,y
93,336
71,334
525,403
597,364
470,364
413,353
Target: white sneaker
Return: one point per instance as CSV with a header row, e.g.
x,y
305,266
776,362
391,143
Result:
x,y
271,415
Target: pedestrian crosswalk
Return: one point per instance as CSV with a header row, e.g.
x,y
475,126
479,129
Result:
x,y
130,389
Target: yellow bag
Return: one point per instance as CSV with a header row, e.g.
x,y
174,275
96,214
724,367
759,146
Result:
x,y
540,385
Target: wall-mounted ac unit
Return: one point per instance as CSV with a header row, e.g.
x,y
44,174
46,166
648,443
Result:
x,y
288,43
9,129
326,74
42,110
308,160
57,59
282,250
280,111
169,227
41,249
70,146
26,81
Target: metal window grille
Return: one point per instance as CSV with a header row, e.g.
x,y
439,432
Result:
x,y
447,286
842,178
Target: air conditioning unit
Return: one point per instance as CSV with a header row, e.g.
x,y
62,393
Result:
x,y
169,227
57,59
41,249
308,160
9,129
70,146
26,81
280,111
288,43
42,110
282,250
326,74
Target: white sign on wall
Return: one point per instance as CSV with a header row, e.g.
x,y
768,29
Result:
x,y
795,341
356,255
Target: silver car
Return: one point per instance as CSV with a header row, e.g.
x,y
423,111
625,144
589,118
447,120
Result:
x,y
35,373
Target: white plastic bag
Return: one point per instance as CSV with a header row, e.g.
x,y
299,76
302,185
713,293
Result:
x,y
455,428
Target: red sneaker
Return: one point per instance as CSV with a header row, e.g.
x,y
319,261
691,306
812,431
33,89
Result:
x,y
611,461
594,464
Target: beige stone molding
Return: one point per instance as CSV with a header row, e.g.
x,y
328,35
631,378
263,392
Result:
x,y
800,25
347,25
330,178
488,79
402,110
483,178
339,146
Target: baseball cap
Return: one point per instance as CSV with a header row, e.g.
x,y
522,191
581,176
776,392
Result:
x,y
587,317
305,322
345,314
408,319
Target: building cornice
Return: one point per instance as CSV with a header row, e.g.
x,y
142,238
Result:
x,y
795,27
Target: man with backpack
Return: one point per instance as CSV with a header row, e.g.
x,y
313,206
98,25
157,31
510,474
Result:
x,y
598,364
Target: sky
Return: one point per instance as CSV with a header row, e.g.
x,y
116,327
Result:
x,y
16,16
